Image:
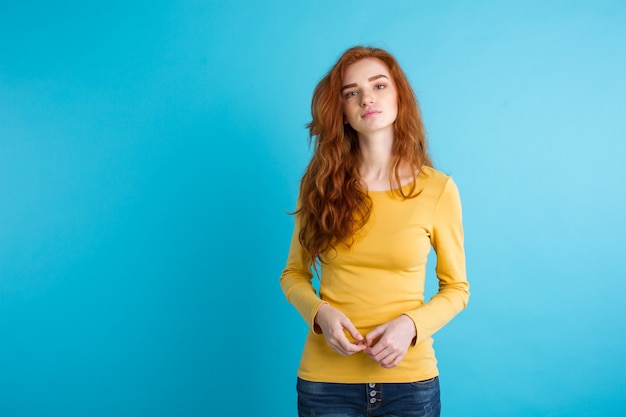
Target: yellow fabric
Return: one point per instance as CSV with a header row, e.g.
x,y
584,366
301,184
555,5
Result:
x,y
381,276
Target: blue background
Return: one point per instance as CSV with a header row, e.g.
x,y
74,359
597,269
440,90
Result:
x,y
150,150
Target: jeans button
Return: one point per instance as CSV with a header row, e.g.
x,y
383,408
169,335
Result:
x,y
372,385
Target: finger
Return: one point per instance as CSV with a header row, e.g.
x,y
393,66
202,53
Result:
x,y
371,337
385,358
354,348
379,352
385,350
347,324
350,347
343,346
393,363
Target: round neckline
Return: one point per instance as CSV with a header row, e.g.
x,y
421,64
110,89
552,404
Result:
x,y
391,190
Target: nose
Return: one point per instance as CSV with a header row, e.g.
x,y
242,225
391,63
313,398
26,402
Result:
x,y
367,98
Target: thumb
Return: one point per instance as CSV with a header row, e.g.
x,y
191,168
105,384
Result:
x,y
373,335
347,324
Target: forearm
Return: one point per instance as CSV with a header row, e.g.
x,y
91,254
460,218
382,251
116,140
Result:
x,y
430,317
300,292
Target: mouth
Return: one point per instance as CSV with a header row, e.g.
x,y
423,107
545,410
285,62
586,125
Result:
x,y
370,113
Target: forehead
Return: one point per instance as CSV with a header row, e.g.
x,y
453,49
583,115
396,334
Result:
x,y
364,69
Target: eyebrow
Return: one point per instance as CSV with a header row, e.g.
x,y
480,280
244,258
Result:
x,y
375,77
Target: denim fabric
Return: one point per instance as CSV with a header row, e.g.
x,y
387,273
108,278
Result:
x,y
412,399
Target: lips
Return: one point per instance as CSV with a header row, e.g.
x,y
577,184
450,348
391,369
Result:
x,y
370,113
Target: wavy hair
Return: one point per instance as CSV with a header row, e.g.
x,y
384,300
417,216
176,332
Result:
x,y
333,203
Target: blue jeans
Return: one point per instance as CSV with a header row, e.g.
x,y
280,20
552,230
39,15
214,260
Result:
x,y
411,399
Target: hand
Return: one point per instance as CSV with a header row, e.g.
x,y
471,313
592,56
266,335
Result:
x,y
388,343
334,324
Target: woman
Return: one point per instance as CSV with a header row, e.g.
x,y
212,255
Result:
x,y
370,208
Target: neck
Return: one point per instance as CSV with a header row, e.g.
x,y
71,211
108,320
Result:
x,y
376,156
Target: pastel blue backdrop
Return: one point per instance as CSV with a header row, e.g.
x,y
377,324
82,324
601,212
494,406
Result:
x,y
149,152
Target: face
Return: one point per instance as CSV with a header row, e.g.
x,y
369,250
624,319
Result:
x,y
370,98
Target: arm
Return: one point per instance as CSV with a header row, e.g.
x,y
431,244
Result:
x,y
322,318
296,280
388,343
447,241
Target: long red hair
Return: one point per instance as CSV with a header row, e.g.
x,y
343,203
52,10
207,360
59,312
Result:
x,y
333,204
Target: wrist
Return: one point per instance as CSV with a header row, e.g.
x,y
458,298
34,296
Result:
x,y
412,326
317,329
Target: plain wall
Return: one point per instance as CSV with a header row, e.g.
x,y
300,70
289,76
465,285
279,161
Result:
x,y
149,152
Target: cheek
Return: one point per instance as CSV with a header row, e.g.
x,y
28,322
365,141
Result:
x,y
394,99
348,111
394,105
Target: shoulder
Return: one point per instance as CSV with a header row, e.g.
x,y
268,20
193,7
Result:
x,y
432,178
439,188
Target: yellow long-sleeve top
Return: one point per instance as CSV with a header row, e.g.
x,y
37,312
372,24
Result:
x,y
381,276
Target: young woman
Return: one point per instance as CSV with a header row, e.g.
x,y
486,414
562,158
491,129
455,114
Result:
x,y
370,208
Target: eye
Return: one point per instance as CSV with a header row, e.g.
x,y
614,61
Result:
x,y
380,86
350,94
